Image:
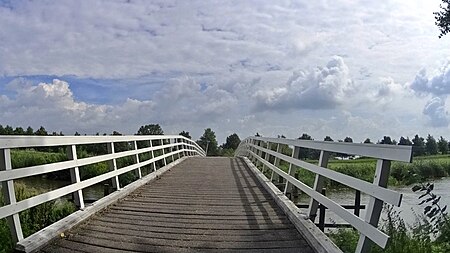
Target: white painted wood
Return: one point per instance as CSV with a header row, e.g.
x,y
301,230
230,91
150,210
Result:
x,y
318,185
153,155
9,196
368,230
163,152
46,168
387,152
375,205
292,170
136,160
11,209
11,141
387,195
113,166
276,162
75,177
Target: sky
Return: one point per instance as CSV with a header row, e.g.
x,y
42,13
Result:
x,y
341,68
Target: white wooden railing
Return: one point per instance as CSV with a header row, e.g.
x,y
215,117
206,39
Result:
x,y
260,151
156,147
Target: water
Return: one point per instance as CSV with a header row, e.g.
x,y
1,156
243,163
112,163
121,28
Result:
x,y
409,208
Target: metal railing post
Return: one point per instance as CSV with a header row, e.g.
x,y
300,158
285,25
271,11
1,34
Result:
x,y
10,196
75,177
318,185
375,205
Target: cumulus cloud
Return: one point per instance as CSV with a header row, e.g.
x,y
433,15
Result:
x,y
321,88
437,87
435,110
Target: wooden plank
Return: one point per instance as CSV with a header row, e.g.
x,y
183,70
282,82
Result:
x,y
40,238
250,222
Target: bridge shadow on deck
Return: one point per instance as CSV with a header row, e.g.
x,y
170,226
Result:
x,y
201,205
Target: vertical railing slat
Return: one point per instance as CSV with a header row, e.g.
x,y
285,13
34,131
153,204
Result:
x,y
136,160
292,170
113,166
75,177
375,206
10,196
318,185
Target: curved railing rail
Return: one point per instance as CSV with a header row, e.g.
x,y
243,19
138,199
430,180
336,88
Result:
x,y
266,153
157,148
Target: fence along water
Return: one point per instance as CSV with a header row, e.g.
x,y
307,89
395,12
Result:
x,y
158,148
260,151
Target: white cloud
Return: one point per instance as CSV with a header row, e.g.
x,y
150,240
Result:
x,y
435,109
321,88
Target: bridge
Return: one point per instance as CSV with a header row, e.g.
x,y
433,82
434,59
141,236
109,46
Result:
x,y
182,201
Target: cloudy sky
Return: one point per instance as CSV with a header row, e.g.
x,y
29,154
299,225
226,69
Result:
x,y
339,68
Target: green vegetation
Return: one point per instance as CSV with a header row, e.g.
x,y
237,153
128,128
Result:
x,y
35,218
430,233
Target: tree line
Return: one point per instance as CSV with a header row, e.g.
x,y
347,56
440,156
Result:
x,y
207,141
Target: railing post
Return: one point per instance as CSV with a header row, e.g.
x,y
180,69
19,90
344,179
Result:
x,y
322,213
375,205
171,148
265,156
75,177
292,170
357,202
153,155
113,166
163,153
136,160
10,196
276,162
318,185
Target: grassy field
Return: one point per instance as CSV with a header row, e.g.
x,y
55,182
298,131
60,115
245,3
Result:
x,y
421,169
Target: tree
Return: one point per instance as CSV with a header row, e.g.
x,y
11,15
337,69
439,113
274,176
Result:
x,y
418,145
327,138
386,140
305,153
208,142
443,145
8,130
19,131
29,131
431,145
367,141
232,142
185,134
348,139
41,131
405,142
443,18
152,129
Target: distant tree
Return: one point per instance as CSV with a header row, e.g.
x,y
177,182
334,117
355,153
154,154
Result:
x,y
115,133
41,131
8,130
282,136
185,134
367,141
386,140
327,138
29,131
348,139
19,131
257,135
443,145
152,129
443,18
77,133
418,145
431,146
405,142
208,139
305,153
232,142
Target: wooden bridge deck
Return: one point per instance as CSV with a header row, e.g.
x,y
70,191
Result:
x,y
201,205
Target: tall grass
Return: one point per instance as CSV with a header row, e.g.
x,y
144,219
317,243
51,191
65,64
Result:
x,y
35,218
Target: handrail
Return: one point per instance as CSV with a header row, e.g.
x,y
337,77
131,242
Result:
x,y
259,151
176,145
